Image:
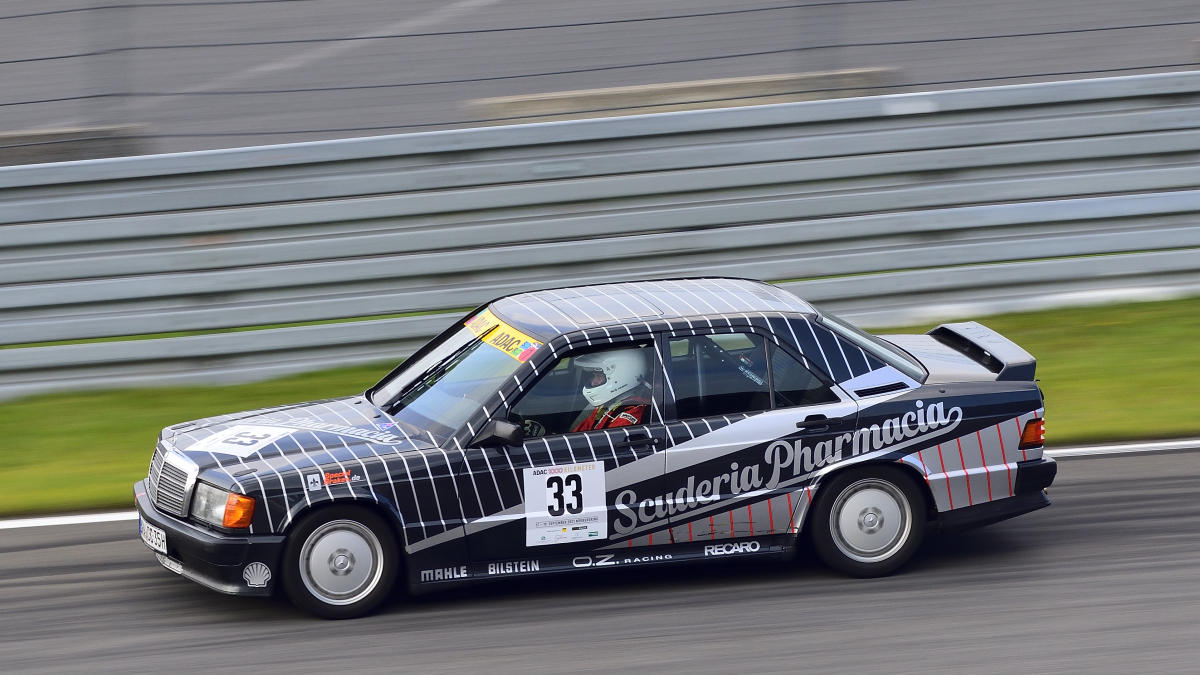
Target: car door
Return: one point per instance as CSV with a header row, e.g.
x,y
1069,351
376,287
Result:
x,y
572,475
749,420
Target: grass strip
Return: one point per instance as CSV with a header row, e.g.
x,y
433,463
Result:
x,y
83,451
1110,373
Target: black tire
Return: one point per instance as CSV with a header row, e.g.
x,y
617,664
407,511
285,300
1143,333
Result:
x,y
868,521
340,562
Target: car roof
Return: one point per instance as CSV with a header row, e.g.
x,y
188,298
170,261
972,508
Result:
x,y
552,312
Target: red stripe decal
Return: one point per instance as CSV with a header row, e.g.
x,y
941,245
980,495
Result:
x,y
712,527
925,470
966,476
770,517
949,492
791,514
986,471
689,532
750,513
1017,421
1004,456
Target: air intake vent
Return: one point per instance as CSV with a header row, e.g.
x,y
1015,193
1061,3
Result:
x,y
881,389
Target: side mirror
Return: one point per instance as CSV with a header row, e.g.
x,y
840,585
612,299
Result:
x,y
499,433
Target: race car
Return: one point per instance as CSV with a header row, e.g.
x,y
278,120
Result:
x,y
573,429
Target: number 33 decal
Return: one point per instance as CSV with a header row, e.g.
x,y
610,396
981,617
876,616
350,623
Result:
x,y
565,504
571,486
246,438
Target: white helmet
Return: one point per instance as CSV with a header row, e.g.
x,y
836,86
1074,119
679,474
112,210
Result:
x,y
623,370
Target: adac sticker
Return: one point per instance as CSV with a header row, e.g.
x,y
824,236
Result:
x,y
482,322
503,336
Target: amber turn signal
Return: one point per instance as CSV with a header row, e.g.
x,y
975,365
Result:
x,y
238,511
1034,435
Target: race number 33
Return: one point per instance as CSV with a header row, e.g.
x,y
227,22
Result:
x,y
241,440
565,504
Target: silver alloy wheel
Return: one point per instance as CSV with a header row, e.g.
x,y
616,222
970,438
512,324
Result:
x,y
870,520
341,562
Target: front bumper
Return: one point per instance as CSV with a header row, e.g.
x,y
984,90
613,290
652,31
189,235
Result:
x,y
225,563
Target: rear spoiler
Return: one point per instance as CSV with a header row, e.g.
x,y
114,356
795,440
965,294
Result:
x,y
987,348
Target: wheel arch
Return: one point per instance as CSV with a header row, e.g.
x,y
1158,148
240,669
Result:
x,y
384,510
906,468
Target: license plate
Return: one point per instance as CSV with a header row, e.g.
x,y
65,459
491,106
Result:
x,y
154,537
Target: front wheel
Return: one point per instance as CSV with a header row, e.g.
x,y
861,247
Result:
x,y
868,521
340,562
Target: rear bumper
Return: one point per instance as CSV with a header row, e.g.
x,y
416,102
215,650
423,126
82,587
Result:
x,y
211,559
1033,478
1036,475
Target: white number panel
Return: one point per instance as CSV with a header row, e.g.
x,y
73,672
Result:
x,y
242,440
565,504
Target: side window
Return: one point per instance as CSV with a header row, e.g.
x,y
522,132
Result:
x,y
721,374
584,391
794,384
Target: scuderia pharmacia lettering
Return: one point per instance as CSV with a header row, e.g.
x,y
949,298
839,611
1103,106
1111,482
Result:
x,y
907,429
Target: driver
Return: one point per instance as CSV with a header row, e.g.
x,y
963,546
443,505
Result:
x,y
615,387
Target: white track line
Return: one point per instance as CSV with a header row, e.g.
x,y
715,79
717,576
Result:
x,y
1125,448
68,520
1122,449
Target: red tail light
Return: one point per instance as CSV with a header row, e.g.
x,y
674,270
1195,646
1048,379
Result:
x,y
1034,435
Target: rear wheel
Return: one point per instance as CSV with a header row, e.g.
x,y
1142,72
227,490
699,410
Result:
x,y
340,562
868,521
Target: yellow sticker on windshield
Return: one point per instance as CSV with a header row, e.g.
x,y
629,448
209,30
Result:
x,y
482,322
502,336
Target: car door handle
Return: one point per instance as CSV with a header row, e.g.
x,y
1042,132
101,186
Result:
x,y
637,442
816,423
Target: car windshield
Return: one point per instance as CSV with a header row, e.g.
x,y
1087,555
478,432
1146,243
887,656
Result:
x,y
881,349
440,392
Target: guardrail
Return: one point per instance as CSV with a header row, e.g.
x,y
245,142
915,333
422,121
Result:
x,y
877,207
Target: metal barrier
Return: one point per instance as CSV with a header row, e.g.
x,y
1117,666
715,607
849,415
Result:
x,y
877,207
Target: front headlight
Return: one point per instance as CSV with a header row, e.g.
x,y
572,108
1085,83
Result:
x,y
221,508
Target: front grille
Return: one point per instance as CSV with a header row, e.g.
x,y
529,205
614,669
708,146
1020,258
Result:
x,y
168,485
171,495
156,463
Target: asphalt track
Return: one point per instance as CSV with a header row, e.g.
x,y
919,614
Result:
x,y
1103,581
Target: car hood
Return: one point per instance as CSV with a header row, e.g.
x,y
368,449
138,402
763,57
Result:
x,y
249,439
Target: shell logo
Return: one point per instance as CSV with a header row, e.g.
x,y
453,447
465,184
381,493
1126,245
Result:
x,y
256,575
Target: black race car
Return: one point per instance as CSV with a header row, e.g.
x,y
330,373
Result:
x,y
653,422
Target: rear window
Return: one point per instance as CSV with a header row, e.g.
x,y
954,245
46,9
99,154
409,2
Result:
x,y
881,349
